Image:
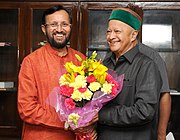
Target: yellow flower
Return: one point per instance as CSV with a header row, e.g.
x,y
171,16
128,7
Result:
x,y
87,94
80,81
94,86
101,69
73,117
69,77
63,81
79,69
69,67
106,88
101,78
93,65
100,73
77,96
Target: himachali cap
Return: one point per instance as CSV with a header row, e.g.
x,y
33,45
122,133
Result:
x,y
127,16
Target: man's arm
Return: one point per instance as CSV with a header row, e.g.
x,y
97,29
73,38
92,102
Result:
x,y
31,110
165,110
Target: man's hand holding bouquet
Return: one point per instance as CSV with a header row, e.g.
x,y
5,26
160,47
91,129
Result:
x,y
83,91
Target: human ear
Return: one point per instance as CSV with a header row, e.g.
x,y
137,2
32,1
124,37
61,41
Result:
x,y
134,35
43,29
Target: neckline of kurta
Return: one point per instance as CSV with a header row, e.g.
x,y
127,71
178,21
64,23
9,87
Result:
x,y
55,52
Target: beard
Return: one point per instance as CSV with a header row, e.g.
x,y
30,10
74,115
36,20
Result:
x,y
54,43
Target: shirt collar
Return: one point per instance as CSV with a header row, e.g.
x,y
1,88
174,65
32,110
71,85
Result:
x,y
129,55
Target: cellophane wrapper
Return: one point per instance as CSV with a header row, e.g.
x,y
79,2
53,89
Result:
x,y
90,109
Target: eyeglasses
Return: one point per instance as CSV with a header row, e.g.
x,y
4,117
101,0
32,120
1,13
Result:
x,y
56,25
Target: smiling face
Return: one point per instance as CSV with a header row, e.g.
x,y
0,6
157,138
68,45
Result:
x,y
57,29
120,37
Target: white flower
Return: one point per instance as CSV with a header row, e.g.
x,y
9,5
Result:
x,y
87,94
94,86
77,96
106,88
80,81
73,117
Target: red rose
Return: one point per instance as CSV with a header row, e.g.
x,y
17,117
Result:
x,y
82,89
114,88
69,103
109,78
66,90
91,79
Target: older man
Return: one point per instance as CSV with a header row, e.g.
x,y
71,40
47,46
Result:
x,y
133,114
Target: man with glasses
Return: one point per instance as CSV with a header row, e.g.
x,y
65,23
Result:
x,y
40,73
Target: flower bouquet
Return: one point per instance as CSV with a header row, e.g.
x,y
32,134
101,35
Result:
x,y
84,90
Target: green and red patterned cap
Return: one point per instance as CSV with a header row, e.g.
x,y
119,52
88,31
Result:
x,y
127,16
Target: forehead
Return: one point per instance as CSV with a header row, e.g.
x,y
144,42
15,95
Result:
x,y
58,16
